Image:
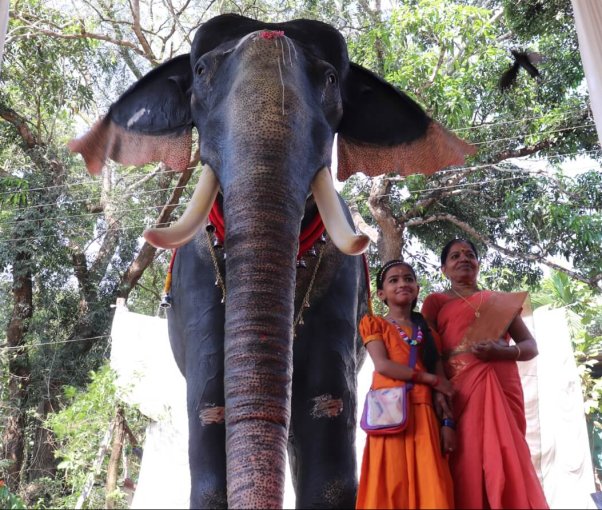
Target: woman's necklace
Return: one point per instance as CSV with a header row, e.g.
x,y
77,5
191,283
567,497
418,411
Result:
x,y
476,310
405,337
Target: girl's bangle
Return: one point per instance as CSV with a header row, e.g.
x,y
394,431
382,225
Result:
x,y
448,422
518,352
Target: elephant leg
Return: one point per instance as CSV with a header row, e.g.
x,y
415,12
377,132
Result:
x,y
196,327
322,432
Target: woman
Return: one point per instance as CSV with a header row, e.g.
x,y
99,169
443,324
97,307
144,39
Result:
x,y
405,470
491,466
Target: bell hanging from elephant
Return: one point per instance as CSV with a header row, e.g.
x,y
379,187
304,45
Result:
x,y
270,354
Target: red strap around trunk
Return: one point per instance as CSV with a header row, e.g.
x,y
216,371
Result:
x,y
307,238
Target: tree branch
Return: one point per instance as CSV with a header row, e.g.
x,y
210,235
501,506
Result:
x,y
147,252
591,282
84,34
20,124
148,51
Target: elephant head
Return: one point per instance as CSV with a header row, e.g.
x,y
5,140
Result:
x,y
267,100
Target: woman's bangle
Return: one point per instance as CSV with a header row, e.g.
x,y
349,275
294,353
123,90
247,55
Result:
x,y
518,352
448,422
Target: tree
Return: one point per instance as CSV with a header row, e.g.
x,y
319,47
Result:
x,y
70,244
66,243
451,55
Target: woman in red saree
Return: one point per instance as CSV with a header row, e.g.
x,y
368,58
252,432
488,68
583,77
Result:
x,y
406,469
491,466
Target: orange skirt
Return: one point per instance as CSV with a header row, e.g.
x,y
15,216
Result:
x,y
406,470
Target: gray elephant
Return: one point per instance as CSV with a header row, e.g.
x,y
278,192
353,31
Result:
x,y
274,366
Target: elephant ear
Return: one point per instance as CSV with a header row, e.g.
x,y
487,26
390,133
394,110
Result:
x,y
151,121
383,131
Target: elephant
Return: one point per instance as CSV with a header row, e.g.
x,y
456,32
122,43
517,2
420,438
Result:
x,y
269,348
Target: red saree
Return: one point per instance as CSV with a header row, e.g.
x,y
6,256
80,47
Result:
x,y
492,466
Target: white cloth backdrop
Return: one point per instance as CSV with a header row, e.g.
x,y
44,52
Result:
x,y
588,21
556,432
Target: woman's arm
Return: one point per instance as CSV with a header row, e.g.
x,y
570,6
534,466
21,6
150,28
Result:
x,y
524,350
526,346
384,366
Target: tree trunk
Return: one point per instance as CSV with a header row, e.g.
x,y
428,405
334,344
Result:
x,y
42,461
390,239
113,467
19,370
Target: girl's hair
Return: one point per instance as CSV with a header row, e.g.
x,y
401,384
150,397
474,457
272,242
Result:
x,y
448,247
430,355
380,276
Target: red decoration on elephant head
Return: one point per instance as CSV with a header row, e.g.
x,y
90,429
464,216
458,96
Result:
x,y
271,34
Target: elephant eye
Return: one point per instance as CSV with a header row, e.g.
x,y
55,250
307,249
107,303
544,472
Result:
x,y
331,78
199,70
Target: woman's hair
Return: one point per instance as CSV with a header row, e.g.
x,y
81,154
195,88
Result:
x,y
448,247
430,355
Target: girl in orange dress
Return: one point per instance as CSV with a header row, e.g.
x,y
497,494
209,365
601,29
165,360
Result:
x,y
406,470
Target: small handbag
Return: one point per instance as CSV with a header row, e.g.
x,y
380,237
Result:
x,y
386,409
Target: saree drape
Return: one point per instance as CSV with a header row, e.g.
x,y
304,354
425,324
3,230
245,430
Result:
x,y
491,467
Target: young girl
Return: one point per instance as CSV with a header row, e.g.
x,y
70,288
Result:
x,y
406,470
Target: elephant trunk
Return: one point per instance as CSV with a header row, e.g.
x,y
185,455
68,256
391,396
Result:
x,y
261,243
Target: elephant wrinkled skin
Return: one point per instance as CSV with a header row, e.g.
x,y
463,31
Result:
x,y
267,100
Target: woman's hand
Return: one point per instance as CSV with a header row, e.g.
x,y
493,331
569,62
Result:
x,y
489,350
448,440
441,384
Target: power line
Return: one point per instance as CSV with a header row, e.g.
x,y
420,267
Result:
x,y
91,181
90,214
148,208
440,172
518,121
30,346
542,133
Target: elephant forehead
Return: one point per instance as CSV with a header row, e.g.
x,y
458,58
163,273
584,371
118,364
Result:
x,y
315,37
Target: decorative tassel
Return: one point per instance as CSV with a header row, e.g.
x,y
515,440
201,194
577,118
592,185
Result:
x,y
166,301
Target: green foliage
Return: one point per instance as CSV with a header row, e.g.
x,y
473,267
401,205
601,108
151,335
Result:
x,y
80,428
8,500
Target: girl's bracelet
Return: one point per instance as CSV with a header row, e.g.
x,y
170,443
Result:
x,y
416,376
448,422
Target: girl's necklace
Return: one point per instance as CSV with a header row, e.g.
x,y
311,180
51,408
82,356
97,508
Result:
x,y
476,310
405,337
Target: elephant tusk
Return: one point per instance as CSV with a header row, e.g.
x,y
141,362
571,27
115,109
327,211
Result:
x,y
337,226
193,218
